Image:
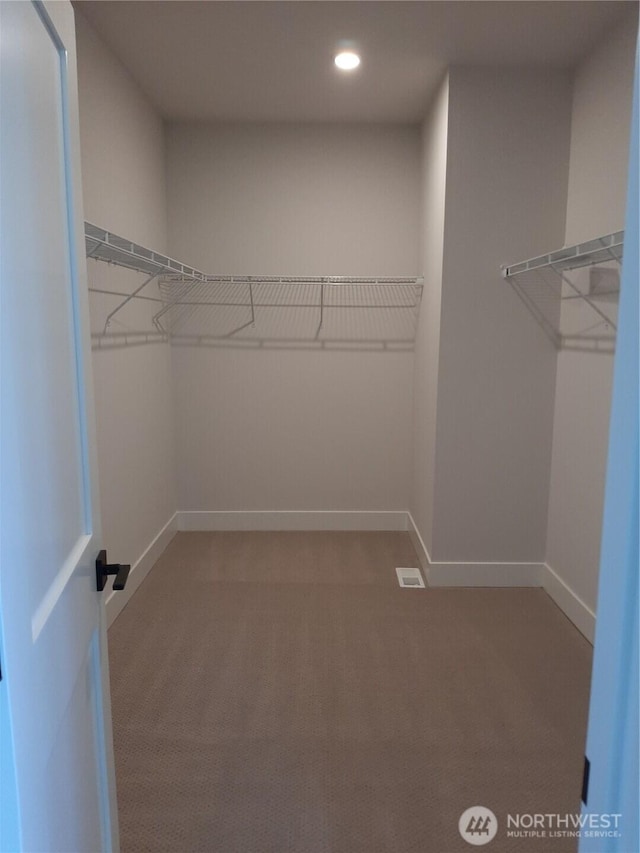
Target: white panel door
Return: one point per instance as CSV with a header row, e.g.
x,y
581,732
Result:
x,y
57,774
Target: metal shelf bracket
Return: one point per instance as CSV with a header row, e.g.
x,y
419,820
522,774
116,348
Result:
x,y
539,282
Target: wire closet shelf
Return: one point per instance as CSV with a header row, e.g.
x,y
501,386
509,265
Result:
x,y
194,306
573,292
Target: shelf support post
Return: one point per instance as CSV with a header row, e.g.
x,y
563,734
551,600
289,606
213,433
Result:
x,y
579,293
253,314
188,286
131,296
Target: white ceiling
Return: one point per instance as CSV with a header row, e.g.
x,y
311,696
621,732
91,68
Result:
x,y
272,61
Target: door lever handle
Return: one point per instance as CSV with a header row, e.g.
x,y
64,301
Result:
x,y
104,569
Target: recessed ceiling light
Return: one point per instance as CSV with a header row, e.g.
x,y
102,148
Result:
x,y
347,60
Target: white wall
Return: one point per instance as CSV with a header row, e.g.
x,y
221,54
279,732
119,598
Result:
x,y
122,146
286,428
292,430
507,167
425,390
123,174
294,199
600,128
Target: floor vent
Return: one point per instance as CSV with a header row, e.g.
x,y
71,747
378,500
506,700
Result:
x,y
410,578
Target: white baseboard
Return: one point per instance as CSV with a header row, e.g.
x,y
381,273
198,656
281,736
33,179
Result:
x,y
505,575
293,520
571,604
418,544
140,569
438,574
472,573
484,574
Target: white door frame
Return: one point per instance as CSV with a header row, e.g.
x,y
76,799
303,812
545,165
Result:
x,y
612,741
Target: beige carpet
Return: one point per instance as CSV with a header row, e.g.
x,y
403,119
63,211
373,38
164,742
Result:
x,y
279,693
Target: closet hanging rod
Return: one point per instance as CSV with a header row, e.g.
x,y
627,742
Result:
x,y
214,304
598,251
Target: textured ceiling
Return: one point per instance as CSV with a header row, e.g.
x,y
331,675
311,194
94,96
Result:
x,y
272,61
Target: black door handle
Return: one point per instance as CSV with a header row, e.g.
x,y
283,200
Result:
x,y
103,569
